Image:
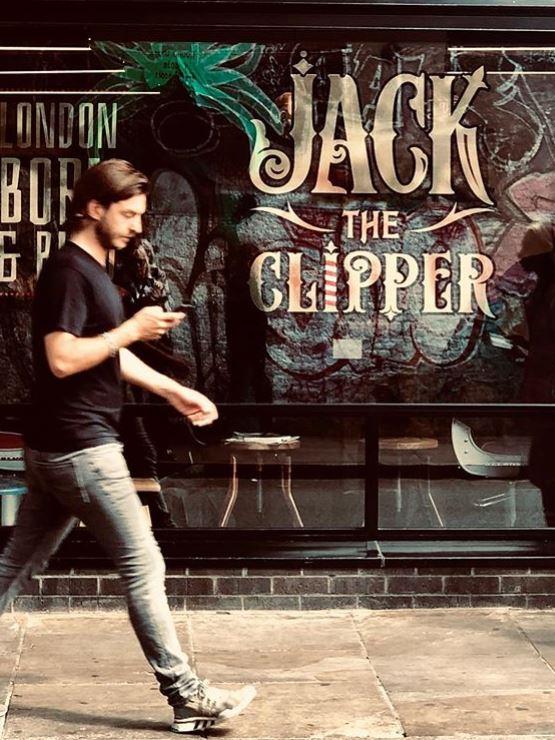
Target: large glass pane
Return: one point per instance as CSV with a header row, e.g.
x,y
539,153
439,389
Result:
x,y
463,473
343,221
304,473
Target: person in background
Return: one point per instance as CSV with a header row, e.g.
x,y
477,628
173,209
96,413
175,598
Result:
x,y
142,283
75,469
537,256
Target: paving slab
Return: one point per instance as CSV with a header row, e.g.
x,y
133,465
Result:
x,y
323,650
10,639
444,655
446,630
463,671
281,711
335,710
81,660
451,676
86,648
482,674
105,711
325,630
298,648
282,665
502,714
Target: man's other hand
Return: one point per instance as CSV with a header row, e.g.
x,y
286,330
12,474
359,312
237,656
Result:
x,y
198,409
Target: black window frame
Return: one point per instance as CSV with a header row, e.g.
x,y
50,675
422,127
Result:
x,y
449,21
370,544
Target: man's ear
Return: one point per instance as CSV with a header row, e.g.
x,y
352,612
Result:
x,y
94,210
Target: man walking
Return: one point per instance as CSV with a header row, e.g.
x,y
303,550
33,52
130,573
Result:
x,y
74,463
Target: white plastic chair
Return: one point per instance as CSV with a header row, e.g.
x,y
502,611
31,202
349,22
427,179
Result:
x,y
480,462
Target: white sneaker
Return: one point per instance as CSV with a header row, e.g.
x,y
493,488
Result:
x,y
209,706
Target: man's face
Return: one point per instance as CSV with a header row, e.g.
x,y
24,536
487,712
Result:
x,y
121,222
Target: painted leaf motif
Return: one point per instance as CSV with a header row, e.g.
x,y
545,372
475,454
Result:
x,y
248,92
233,110
132,74
250,62
215,75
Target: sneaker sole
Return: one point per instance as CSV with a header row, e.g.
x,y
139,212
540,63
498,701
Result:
x,y
203,723
194,724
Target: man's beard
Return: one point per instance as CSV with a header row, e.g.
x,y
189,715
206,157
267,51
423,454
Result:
x,y
103,235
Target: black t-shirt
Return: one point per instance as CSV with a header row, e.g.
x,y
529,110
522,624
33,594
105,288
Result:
x,y
74,294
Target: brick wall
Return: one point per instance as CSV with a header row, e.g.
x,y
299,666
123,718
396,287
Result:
x,y
302,588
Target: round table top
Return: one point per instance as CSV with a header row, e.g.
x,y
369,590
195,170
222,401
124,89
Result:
x,y
147,485
261,445
408,443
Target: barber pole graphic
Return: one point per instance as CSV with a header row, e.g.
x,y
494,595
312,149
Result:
x,y
330,278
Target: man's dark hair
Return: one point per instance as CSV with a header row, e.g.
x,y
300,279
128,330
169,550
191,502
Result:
x,y
107,182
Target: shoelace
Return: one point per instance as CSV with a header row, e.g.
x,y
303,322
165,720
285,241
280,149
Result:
x,y
202,686
201,691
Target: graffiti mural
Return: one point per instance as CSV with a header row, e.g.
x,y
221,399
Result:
x,y
344,222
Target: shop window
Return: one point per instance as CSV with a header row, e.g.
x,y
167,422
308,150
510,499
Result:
x,y
464,473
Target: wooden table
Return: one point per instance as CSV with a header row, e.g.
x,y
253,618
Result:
x,y
264,451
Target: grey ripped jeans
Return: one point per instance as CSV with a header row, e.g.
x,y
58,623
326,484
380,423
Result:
x,y
93,485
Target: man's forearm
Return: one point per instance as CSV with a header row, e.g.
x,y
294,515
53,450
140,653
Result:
x,y
137,372
68,354
196,407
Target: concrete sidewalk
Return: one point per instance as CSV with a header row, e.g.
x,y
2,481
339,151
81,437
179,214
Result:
x,y
363,674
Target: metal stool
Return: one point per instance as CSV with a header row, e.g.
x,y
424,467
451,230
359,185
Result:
x,y
266,450
401,444
11,487
11,491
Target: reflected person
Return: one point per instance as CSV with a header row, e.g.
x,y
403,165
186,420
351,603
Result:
x,y
537,255
142,283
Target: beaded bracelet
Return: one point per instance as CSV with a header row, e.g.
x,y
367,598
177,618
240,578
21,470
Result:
x,y
114,349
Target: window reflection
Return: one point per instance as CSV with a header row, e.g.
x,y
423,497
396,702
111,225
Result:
x,y
464,473
303,474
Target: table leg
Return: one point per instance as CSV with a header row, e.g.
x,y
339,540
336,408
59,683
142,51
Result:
x,y
430,495
512,502
232,491
259,493
398,491
288,493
